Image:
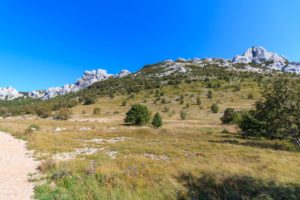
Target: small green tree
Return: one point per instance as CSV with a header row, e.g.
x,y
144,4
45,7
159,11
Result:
x,y
97,111
277,115
215,108
157,121
138,115
183,115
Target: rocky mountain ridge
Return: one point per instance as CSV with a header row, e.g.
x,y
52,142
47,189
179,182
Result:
x,y
88,78
255,59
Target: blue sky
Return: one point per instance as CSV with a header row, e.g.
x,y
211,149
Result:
x,y
51,42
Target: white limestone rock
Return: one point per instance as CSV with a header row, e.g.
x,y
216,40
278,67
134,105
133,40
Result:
x,y
170,68
259,55
36,94
292,68
91,77
123,73
9,93
88,78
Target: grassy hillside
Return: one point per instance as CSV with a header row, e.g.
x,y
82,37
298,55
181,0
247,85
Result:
x,y
99,157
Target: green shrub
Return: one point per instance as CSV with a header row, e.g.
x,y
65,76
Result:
x,y
89,100
138,115
157,121
198,101
124,103
166,109
230,116
63,114
250,125
44,112
209,94
236,88
215,108
183,115
97,111
181,100
32,128
277,115
250,96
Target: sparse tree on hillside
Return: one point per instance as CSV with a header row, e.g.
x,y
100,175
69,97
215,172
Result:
x,y
138,115
277,115
157,121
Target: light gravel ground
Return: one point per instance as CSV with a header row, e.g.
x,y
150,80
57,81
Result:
x,y
16,163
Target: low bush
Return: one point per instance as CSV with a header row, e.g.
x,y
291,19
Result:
x,y
43,112
96,111
209,94
215,108
230,116
32,128
183,115
63,114
157,121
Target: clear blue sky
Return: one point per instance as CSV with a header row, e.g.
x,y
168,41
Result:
x,y
51,42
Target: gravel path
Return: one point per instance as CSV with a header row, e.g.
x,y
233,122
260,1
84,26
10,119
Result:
x,y
15,166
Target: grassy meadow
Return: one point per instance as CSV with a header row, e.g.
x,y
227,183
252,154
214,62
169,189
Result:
x,y
196,158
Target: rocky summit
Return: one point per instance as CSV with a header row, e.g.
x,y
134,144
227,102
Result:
x,y
255,59
9,93
88,78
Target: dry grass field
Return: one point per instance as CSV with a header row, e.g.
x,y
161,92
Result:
x,y
99,157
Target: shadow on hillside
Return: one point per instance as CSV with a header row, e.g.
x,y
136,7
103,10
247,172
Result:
x,y
211,186
264,144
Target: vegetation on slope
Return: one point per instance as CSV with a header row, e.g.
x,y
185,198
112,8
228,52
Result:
x,y
196,158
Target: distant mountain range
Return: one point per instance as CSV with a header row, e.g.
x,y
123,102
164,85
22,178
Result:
x,y
255,59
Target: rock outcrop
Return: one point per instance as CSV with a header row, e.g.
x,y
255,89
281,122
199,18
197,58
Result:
x,y
88,78
269,60
9,93
255,59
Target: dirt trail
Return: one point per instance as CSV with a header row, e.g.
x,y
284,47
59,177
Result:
x,y
16,164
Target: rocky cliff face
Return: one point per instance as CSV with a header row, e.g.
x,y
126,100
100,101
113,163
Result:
x,y
255,59
88,78
260,55
9,93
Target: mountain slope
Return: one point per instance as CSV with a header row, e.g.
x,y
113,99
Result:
x,y
255,59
